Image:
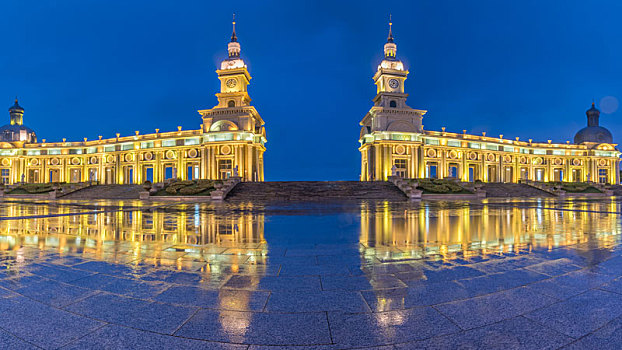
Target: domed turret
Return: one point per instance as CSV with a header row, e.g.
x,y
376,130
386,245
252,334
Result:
x,y
390,51
593,132
16,131
233,48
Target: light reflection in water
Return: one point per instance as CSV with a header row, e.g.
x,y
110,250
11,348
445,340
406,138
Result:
x,y
220,243
494,228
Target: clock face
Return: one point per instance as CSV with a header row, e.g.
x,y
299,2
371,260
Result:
x,y
393,83
231,83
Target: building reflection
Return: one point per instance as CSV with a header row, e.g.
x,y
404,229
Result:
x,y
445,232
157,236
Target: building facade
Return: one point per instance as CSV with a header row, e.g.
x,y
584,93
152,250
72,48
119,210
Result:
x,y
230,140
392,140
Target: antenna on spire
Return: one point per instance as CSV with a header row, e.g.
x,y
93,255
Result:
x,y
390,38
234,38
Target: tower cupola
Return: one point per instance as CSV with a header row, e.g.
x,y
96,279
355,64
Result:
x,y
390,49
234,45
17,114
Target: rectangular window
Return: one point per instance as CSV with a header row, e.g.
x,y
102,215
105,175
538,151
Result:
x,y
225,168
109,149
91,150
33,153
144,145
54,151
524,150
169,172
430,141
168,143
475,145
454,143
453,171
75,151
539,151
492,147
508,149
4,176
602,175
401,167
558,152
127,146
193,141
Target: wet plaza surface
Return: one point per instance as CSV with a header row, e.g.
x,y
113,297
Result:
x,y
522,274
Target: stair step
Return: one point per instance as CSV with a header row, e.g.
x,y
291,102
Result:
x,y
315,190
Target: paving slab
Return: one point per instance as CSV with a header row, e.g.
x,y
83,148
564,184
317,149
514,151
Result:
x,y
135,313
581,314
258,328
517,333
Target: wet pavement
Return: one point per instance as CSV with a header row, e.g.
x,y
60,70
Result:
x,y
528,274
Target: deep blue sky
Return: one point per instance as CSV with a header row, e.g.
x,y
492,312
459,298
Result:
x,y
518,68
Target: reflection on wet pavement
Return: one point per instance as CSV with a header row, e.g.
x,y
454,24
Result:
x,y
508,274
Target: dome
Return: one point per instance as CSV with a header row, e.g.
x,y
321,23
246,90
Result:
x,y
12,133
596,134
593,132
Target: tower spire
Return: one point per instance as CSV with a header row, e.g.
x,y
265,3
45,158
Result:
x,y
390,37
234,38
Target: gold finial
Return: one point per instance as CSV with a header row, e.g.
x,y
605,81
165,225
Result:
x,y
234,38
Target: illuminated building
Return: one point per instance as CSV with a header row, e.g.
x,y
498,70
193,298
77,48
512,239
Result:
x,y
392,137
232,136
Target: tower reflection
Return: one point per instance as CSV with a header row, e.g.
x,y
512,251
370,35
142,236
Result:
x,y
436,230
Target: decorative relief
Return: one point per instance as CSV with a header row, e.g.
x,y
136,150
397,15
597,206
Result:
x,y
54,161
400,149
602,162
148,155
169,154
192,153
490,157
34,162
523,160
225,149
472,156
537,161
576,162
507,158
75,161
557,161
4,162
93,160
129,157
431,153
109,159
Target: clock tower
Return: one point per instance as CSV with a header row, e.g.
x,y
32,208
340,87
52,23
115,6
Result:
x,y
233,124
390,122
390,112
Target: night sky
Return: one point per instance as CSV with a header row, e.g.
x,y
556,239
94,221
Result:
x,y
517,68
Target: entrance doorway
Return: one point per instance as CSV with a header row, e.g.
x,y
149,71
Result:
x,y
508,174
492,173
128,175
109,179
33,176
225,167
148,174
576,175
54,175
75,175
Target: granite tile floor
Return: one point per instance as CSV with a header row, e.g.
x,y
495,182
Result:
x,y
361,277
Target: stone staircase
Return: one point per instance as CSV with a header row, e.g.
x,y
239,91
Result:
x,y
106,192
494,189
315,190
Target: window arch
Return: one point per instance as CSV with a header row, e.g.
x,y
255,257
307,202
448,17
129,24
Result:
x,y
231,103
392,104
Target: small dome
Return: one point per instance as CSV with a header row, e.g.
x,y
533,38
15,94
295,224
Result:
x,y
596,134
12,133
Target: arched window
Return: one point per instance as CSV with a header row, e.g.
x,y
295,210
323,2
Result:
x,y
392,104
231,103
